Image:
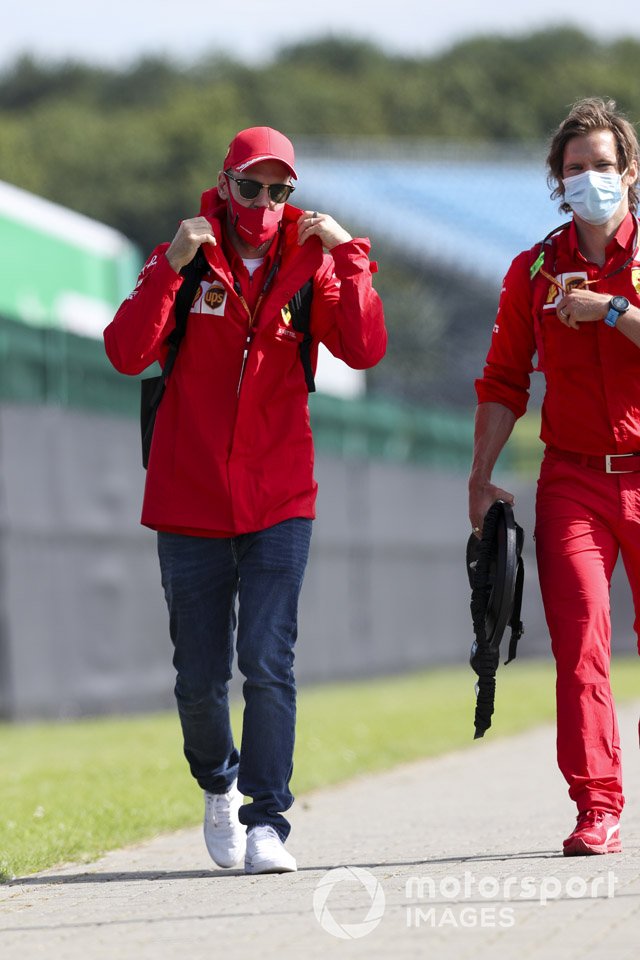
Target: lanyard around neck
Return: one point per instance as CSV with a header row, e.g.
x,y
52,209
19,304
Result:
x,y
252,316
536,266
265,286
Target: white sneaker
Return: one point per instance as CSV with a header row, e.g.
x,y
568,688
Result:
x,y
266,852
224,835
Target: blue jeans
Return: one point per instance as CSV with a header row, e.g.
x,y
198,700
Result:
x,y
202,577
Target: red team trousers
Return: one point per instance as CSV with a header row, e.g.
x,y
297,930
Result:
x,y
584,518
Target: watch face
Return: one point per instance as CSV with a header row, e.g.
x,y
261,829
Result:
x,y
620,304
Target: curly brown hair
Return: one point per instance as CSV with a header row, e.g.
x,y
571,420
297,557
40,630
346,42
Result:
x,y
593,113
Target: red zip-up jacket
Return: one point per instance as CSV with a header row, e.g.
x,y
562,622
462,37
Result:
x,y
232,449
592,398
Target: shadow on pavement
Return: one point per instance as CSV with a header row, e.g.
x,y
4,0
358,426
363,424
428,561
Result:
x,y
140,875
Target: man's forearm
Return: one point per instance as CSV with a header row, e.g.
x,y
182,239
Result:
x,y
494,423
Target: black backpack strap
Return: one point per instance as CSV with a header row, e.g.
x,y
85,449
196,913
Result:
x,y
539,288
300,309
192,273
152,388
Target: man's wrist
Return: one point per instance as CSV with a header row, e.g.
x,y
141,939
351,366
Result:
x,y
173,262
338,241
479,480
617,306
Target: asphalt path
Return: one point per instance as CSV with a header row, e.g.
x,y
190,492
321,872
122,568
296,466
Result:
x,y
450,858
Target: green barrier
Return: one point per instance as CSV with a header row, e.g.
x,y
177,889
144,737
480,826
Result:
x,y
50,366
45,365
384,430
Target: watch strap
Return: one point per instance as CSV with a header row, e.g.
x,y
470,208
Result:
x,y
611,318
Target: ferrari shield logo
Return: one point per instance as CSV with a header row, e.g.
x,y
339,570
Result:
x,y
635,279
552,293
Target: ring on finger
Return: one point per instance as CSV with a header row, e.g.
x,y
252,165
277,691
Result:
x,y
563,313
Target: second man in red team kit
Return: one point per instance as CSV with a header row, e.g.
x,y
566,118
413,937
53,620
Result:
x,y
574,300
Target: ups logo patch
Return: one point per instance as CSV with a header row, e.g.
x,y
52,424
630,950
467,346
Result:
x,y
214,297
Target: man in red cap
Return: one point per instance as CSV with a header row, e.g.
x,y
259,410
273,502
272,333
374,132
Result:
x,y
574,299
230,487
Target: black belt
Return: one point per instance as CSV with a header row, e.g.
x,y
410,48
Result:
x,y
609,463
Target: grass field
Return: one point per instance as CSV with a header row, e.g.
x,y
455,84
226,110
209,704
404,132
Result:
x,y
72,790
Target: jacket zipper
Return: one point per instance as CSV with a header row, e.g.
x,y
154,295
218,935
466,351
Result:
x,y
252,316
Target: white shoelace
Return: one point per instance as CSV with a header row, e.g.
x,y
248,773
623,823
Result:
x,y
263,837
220,808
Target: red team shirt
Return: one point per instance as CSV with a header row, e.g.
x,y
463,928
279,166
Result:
x,y
592,399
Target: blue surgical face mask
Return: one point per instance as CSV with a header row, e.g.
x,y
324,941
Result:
x,y
594,196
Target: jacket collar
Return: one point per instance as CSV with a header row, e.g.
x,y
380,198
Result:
x,y
296,259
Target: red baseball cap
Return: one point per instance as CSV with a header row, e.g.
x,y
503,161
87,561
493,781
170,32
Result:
x,y
260,143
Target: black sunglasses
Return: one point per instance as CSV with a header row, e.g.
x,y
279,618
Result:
x,y
249,189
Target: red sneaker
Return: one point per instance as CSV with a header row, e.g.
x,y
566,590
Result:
x,y
597,831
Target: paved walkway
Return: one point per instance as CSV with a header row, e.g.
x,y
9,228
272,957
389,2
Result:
x,y
451,858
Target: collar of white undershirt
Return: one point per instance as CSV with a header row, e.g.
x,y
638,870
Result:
x,y
253,264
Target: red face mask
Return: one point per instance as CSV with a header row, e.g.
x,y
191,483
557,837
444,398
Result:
x,y
254,225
